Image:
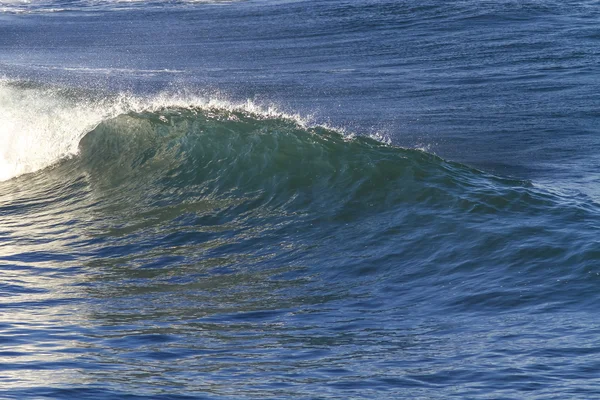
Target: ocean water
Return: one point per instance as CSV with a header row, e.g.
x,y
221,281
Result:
x,y
297,199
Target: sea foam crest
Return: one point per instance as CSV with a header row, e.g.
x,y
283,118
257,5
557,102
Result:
x,y
40,126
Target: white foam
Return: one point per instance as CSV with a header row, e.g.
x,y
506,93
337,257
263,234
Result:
x,y
38,127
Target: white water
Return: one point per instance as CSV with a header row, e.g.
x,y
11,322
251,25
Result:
x,y
39,127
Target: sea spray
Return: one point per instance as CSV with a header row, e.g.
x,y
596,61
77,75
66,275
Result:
x,y
42,125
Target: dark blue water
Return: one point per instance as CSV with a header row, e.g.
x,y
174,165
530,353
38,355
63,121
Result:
x,y
299,199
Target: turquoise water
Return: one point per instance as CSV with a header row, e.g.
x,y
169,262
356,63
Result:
x,y
272,199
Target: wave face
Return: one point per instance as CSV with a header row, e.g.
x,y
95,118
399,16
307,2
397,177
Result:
x,y
235,152
208,237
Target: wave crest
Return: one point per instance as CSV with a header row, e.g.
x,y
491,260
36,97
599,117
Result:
x,y
42,125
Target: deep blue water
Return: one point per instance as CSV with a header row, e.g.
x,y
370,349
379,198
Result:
x,y
299,199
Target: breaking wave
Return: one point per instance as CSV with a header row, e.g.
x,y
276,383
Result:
x,y
42,125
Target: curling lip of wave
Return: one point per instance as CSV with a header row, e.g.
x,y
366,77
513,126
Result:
x,y
40,126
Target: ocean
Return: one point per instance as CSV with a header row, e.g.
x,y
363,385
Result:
x,y
294,199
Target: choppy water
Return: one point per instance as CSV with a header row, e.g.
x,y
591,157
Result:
x,y
294,199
